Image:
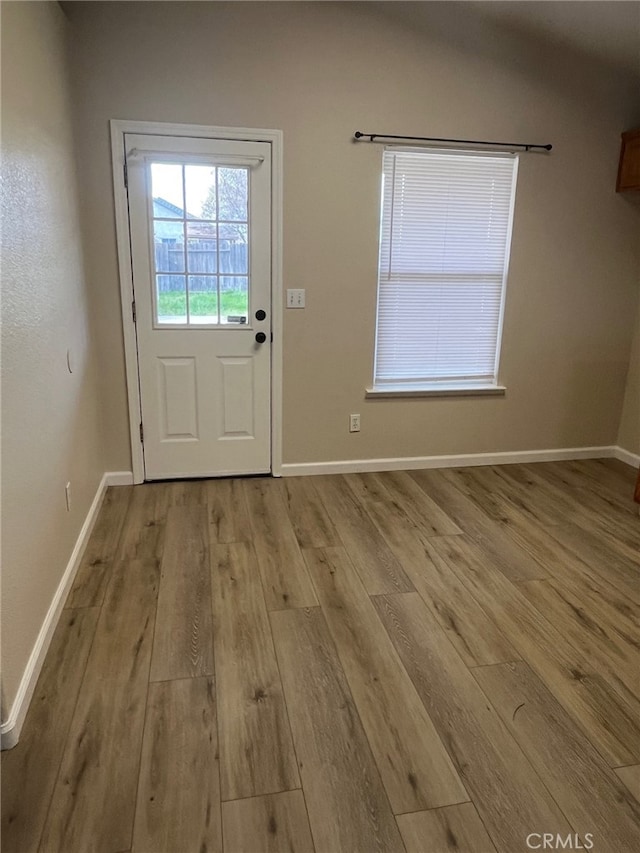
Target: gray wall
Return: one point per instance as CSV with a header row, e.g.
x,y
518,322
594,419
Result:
x,y
319,71
50,418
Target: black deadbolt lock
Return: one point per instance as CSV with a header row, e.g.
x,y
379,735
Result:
x,y
260,314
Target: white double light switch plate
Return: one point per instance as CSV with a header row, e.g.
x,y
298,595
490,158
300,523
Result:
x,y
295,298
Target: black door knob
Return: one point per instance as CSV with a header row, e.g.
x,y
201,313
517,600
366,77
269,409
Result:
x,y
260,337
260,314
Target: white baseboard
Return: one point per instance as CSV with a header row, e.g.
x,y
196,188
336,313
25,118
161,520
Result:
x,y
406,463
119,478
11,727
627,456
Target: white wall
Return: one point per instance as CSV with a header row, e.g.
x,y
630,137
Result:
x,y
50,418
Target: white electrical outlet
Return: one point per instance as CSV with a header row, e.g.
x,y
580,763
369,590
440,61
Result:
x,y
354,423
67,494
295,298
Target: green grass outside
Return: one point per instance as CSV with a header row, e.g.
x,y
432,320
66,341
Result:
x,y
174,303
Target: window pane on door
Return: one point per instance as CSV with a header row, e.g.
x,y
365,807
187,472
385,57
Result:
x,y
233,195
202,247
168,240
167,190
234,245
234,299
200,186
171,294
203,299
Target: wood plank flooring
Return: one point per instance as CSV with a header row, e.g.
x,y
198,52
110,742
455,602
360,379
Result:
x,y
178,803
425,662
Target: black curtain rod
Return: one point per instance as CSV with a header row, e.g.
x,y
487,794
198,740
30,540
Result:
x,y
526,146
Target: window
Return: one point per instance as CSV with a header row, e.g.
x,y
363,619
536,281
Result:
x,y
201,243
444,249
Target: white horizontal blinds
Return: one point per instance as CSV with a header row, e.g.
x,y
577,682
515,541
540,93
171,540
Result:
x,y
445,233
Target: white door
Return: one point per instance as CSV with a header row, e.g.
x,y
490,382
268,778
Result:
x,y
199,213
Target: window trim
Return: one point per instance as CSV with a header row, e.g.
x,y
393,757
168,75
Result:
x,y
446,388
436,390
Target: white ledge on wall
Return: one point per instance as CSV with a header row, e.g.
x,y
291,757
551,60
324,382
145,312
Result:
x,y
382,392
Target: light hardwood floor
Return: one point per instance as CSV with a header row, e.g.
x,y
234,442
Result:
x,y
428,661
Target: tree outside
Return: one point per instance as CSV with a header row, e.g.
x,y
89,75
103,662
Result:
x,y
232,199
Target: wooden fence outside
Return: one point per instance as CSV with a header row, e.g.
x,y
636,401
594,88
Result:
x,y
202,258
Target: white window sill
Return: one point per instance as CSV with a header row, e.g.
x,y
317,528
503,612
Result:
x,y
452,390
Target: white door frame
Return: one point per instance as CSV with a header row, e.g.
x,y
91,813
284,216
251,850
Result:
x,y
274,137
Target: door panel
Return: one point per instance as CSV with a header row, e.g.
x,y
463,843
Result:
x,y
179,405
200,242
237,397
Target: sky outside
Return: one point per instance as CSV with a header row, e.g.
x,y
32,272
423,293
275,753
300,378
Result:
x,y
166,183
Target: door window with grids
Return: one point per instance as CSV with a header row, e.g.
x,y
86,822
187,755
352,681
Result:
x,y
200,244
444,246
